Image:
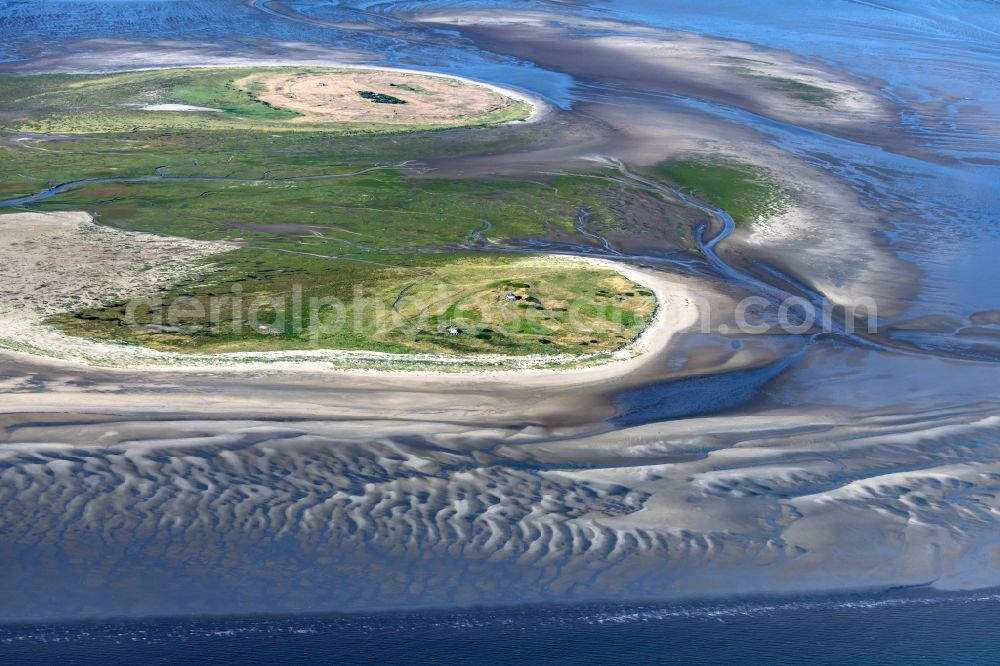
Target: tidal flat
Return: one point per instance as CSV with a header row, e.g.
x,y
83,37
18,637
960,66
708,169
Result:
x,y
767,156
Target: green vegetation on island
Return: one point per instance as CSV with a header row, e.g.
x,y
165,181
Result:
x,y
341,238
220,98
793,88
748,193
337,242
362,239
454,303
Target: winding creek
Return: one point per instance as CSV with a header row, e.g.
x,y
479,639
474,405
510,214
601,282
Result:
x,y
160,177
719,227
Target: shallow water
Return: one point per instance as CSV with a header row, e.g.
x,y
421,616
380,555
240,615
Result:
x,y
945,52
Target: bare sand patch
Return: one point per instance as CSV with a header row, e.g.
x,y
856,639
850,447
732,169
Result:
x,y
409,98
58,262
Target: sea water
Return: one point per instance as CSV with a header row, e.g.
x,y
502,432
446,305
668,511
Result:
x,y
902,627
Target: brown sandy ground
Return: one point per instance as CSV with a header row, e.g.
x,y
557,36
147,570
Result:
x,y
333,97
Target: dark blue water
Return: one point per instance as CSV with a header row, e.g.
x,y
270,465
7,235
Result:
x,y
695,396
901,628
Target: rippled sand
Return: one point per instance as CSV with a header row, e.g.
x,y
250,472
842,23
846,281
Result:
x,y
182,493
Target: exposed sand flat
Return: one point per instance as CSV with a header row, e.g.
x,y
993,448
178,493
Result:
x,y
825,240
59,262
234,495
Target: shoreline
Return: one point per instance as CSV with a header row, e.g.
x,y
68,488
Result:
x,y
711,605
674,311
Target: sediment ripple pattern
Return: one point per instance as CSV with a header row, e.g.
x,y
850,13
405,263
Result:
x,y
106,515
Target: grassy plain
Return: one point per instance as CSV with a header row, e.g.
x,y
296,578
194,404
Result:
x,y
450,303
747,192
362,240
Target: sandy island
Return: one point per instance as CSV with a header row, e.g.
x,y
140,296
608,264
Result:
x,y
58,262
408,98
332,95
